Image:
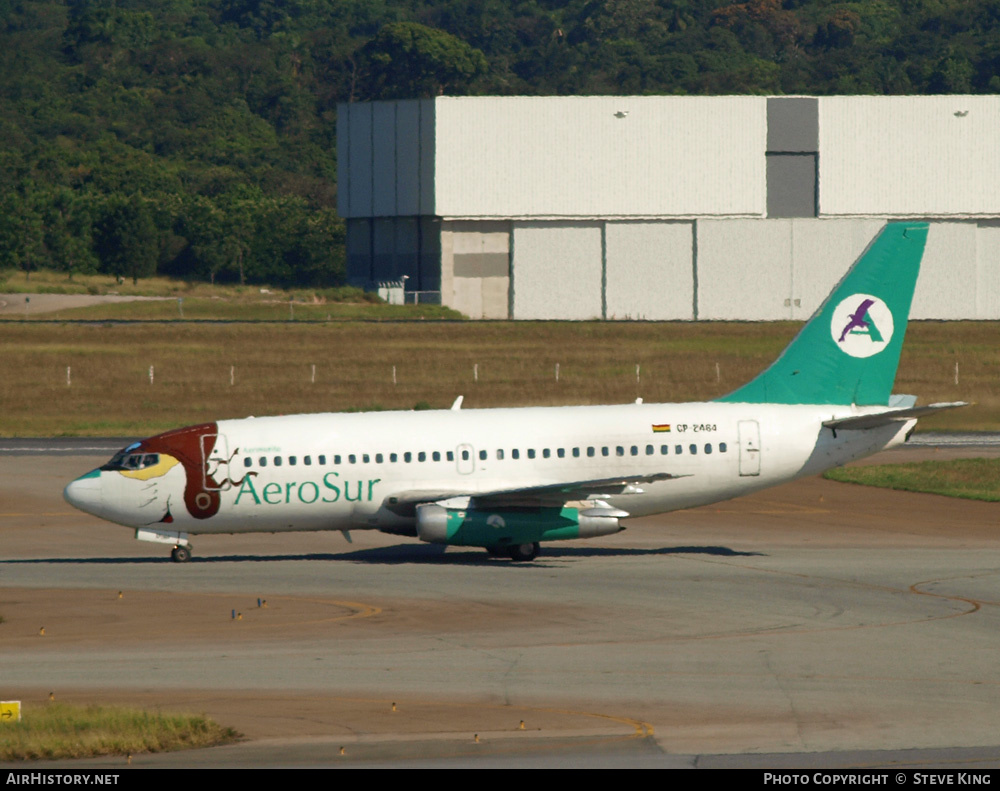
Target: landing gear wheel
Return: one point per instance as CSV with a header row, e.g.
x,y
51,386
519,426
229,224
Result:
x,y
180,554
522,552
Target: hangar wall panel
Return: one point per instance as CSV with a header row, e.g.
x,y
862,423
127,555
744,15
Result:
x,y
599,156
430,253
384,159
821,252
556,270
765,270
988,271
384,265
407,150
359,161
428,165
475,264
909,155
343,161
946,288
744,269
408,250
648,270
359,252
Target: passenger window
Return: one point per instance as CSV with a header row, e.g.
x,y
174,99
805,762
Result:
x,y
561,453
664,449
515,454
531,453
576,453
336,458
590,451
482,455
307,460
546,453
352,458
436,455
277,461
605,451
708,447
378,458
722,447
263,461
465,455
499,454
393,458
292,460
422,456
366,458
650,450
635,450
619,451
407,457
693,449
322,459
247,462
450,455
678,449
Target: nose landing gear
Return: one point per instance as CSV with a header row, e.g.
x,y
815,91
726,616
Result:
x,y
181,552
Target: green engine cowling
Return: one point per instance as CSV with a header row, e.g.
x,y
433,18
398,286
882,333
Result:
x,y
472,527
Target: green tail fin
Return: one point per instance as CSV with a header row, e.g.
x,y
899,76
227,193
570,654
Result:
x,y
848,352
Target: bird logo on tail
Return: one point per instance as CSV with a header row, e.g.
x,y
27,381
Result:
x,y
862,325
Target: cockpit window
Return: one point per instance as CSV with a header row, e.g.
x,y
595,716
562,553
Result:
x,y
123,460
115,463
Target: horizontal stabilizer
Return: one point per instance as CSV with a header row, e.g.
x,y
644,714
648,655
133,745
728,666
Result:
x,y
860,422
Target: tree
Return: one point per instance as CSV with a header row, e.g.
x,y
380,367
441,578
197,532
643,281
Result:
x,y
202,226
407,60
21,232
126,238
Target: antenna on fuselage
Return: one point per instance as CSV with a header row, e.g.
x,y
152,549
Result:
x,y
458,404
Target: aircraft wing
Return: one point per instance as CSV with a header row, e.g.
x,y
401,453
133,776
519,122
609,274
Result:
x,y
533,496
889,416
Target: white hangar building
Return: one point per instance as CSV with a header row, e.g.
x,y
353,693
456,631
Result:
x,y
666,207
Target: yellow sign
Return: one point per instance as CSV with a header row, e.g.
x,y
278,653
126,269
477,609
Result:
x,y
10,711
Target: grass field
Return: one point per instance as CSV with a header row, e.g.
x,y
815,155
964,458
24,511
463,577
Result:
x,y
271,308
50,282
58,730
973,479
209,371
197,301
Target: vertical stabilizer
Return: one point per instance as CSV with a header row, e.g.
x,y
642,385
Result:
x,y
848,352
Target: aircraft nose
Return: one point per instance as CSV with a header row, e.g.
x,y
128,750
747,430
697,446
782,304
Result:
x,y
85,492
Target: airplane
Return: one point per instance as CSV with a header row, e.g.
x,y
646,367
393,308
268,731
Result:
x,y
509,479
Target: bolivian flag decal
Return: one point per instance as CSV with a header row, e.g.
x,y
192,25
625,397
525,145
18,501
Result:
x,y
661,428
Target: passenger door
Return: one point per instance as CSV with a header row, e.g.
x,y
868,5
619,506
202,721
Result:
x,y
749,431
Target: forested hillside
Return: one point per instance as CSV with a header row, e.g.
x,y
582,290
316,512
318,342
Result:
x,y
197,137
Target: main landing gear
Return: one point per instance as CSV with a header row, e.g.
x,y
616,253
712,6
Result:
x,y
181,553
516,552
522,552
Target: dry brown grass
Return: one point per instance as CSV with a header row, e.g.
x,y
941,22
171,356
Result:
x,y
59,730
111,394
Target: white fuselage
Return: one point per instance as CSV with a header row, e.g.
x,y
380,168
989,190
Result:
x,y
339,471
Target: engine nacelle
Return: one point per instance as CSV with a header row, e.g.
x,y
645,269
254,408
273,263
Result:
x,y
473,527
